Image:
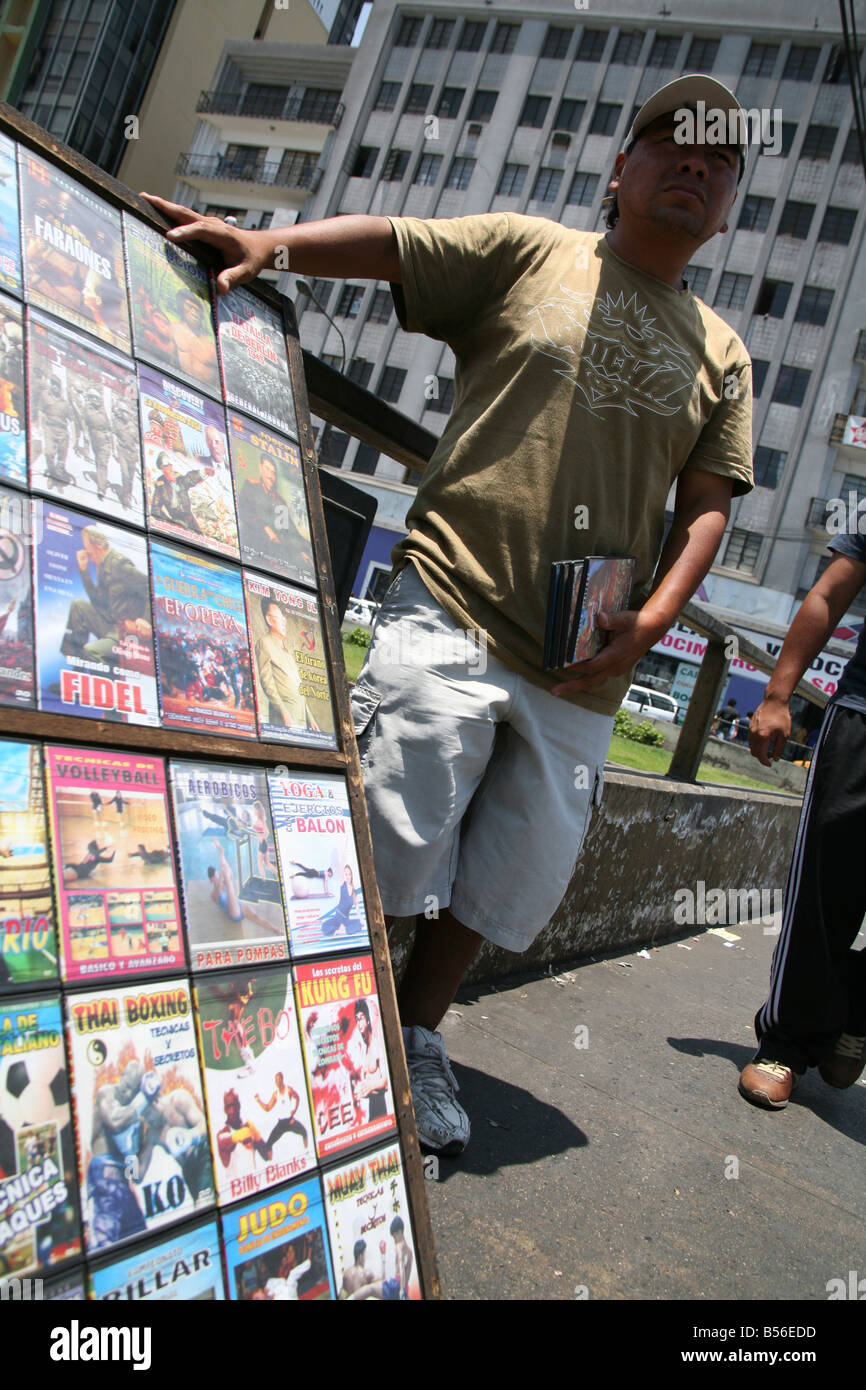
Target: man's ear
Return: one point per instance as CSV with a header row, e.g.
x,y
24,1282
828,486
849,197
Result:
x,y
613,186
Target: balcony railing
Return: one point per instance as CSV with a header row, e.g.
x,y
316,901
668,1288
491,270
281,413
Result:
x,y
272,107
817,518
294,172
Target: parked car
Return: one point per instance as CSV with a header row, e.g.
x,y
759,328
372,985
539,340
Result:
x,y
651,703
361,610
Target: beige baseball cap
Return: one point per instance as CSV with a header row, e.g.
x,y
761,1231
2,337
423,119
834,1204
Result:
x,y
686,92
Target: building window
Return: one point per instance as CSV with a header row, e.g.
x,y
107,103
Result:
x,y
756,214
760,367
349,303
761,60
471,36
407,33
582,190
322,290
242,162
791,384
395,166
569,115
837,225
365,162
428,169
450,101
534,111
547,182
742,550
481,106
837,65
796,219
391,383
365,459
801,63
444,401
591,46
663,53
556,42
319,104
733,290
773,298
381,307
605,118
702,55
460,173
263,99
360,370
697,278
789,135
439,33
504,38
851,148
768,465
852,482
333,360
418,98
818,141
814,306
386,97
333,444
511,180
627,49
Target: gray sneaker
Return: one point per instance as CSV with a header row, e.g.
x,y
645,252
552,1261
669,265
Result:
x,y
443,1125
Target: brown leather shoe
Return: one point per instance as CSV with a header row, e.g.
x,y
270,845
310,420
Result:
x,y
767,1083
845,1063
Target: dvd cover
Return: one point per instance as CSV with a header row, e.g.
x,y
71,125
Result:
x,y
143,1155
72,252
233,905
277,1248
17,673
94,634
13,428
172,321
28,945
372,1243
10,226
117,901
203,655
273,521
293,697
255,364
319,863
186,1266
344,1049
259,1113
83,423
67,1287
187,471
39,1216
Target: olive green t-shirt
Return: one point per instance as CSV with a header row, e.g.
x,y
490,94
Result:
x,y
583,386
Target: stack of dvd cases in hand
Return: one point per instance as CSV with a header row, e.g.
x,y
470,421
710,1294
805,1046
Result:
x,y
195,1096
579,590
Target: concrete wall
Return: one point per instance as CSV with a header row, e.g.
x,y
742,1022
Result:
x,y
650,838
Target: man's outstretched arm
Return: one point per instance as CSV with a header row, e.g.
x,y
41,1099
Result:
x,y
355,245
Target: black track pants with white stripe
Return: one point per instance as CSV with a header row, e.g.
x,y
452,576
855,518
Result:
x,y
818,983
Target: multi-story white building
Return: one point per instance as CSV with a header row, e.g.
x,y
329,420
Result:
x,y
452,109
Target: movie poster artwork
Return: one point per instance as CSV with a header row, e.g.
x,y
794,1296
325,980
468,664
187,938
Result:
x,y
94,633
83,423
172,321
277,1247
73,252
290,668
143,1154
39,1217
117,900
184,1267
13,427
344,1049
273,520
10,229
28,946
319,863
255,364
260,1127
203,655
372,1242
228,866
187,473
17,667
